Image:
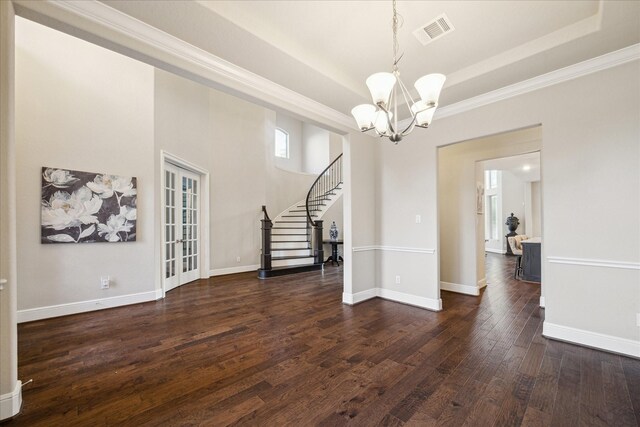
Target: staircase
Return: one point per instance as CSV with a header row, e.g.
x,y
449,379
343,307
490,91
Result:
x,y
292,242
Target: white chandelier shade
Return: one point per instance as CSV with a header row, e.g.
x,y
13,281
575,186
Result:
x,y
381,122
380,85
429,87
424,113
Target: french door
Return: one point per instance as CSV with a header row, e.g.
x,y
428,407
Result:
x,y
181,227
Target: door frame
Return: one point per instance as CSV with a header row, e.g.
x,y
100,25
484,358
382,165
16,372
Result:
x,y
166,157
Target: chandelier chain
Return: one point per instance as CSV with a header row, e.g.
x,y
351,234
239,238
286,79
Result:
x,y
396,45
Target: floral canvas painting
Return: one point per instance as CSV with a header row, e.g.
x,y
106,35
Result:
x,y
85,207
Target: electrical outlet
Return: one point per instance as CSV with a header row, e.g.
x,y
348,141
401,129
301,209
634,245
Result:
x,y
237,259
418,219
105,282
397,280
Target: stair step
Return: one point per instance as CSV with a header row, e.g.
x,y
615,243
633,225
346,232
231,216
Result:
x,y
285,261
285,238
292,249
290,252
289,228
311,204
288,244
304,210
296,216
279,258
281,271
291,222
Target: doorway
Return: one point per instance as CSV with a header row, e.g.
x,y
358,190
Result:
x,y
512,208
184,207
464,203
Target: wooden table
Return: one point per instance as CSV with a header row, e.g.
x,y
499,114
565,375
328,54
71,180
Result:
x,y
334,251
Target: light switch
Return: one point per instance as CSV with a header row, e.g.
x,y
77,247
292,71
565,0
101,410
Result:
x,y
418,219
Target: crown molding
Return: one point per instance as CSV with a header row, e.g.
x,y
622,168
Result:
x,y
212,67
599,63
224,73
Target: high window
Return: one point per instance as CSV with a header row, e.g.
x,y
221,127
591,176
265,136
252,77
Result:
x,y
493,198
282,144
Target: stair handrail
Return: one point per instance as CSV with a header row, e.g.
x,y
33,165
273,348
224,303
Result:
x,y
326,182
266,215
265,256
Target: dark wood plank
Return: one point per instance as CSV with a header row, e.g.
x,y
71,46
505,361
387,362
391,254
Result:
x,y
233,350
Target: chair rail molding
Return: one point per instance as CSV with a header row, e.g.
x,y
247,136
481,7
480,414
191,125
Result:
x,y
594,262
393,249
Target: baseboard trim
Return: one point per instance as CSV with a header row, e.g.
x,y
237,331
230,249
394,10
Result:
x,y
610,343
416,301
461,289
422,302
10,403
541,302
482,283
39,313
495,251
358,297
233,270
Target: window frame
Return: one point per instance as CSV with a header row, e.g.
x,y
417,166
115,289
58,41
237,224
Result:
x,y
276,151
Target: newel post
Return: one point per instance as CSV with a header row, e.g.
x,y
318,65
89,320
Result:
x,y
265,259
318,253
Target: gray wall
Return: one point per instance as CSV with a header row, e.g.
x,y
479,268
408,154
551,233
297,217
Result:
x,y
590,175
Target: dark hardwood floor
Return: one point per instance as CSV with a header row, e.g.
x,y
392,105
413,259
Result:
x,y
236,350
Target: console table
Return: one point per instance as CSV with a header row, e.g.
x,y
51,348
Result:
x,y
334,251
531,260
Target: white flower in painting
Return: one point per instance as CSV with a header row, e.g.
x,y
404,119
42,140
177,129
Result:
x,y
115,224
59,178
64,210
128,213
106,185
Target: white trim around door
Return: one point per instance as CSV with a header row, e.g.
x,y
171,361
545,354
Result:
x,y
203,206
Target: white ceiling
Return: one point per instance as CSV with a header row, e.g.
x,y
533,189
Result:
x,y
524,166
326,49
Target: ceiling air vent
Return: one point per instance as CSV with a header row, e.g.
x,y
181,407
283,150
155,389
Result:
x,y
434,29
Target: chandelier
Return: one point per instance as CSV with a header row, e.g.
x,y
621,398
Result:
x,y
383,115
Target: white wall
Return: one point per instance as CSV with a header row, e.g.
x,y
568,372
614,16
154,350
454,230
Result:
x,y
591,175
536,209
461,262
10,387
315,149
512,201
360,159
84,108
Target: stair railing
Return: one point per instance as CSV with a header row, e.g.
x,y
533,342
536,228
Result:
x,y
327,181
267,225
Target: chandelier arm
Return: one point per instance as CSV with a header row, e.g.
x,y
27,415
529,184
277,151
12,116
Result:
x,y
405,92
409,128
386,113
